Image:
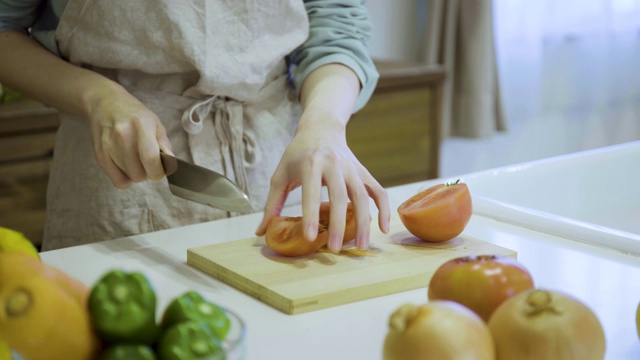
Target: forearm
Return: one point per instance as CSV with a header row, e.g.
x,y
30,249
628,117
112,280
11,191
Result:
x,y
32,70
331,89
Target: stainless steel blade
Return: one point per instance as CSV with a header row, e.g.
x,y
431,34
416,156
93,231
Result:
x,y
204,186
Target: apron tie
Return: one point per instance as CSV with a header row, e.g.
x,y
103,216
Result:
x,y
192,117
238,147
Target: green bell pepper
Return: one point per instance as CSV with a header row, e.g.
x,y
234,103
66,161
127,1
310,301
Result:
x,y
190,340
123,308
192,306
128,352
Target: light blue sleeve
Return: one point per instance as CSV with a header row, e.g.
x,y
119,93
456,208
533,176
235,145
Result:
x,y
38,18
339,32
18,15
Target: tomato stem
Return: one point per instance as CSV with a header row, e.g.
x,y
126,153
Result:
x,y
481,258
453,183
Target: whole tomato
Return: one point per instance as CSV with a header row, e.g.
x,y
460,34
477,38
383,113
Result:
x,y
439,213
285,235
480,283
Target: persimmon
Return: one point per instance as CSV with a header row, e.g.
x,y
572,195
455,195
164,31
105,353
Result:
x,y
481,283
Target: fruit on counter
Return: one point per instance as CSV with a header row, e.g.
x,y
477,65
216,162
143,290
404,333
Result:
x,y
18,266
41,320
481,283
35,287
438,213
285,235
543,324
192,339
128,352
5,351
11,240
122,305
638,320
437,330
192,306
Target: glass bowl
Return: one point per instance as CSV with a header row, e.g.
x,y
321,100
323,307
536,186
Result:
x,y
234,344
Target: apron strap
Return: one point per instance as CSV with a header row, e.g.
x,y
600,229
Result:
x,y
238,148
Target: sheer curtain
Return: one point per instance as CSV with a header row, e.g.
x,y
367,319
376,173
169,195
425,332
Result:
x,y
567,56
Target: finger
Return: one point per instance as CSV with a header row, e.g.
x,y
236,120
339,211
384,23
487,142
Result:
x,y
163,139
119,146
338,199
360,200
275,202
118,178
149,151
380,198
133,165
311,197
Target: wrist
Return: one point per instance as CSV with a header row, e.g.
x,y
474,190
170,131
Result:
x,y
331,88
314,118
97,91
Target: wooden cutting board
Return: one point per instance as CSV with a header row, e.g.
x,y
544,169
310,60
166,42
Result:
x,y
394,263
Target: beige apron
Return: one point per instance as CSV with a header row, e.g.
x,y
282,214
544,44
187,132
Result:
x,y
213,71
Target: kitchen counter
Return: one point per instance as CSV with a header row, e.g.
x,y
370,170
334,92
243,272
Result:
x,y
604,279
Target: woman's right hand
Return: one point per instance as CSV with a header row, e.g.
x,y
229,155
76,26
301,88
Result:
x,y
127,137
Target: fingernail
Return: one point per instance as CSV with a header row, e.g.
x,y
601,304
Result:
x,y
362,243
335,245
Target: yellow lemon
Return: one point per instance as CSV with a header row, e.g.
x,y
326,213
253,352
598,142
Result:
x,y
11,240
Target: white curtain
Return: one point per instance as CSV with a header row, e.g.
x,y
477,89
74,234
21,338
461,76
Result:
x,y
567,55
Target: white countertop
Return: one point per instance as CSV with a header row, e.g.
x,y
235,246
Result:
x,y
605,280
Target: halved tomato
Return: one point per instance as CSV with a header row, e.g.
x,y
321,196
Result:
x,y
285,235
438,213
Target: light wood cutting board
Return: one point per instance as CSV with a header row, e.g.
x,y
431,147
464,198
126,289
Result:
x,y
394,263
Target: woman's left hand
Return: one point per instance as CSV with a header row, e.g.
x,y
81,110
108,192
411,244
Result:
x,y
319,156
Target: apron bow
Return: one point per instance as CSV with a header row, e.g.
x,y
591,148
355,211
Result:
x,y
238,147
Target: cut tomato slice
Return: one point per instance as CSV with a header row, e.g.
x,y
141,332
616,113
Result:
x,y
439,213
285,234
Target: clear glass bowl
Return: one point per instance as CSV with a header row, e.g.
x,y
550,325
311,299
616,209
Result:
x,y
235,343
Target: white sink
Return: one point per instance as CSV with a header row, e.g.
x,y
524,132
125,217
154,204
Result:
x,y
591,196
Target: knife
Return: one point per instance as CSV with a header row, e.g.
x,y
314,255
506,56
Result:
x,y
204,186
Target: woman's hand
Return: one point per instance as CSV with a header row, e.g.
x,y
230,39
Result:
x,y
127,137
319,156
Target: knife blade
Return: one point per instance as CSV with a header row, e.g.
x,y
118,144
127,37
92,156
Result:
x,y
204,186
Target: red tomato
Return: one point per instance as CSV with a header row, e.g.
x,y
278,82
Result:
x,y
480,283
439,213
285,235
